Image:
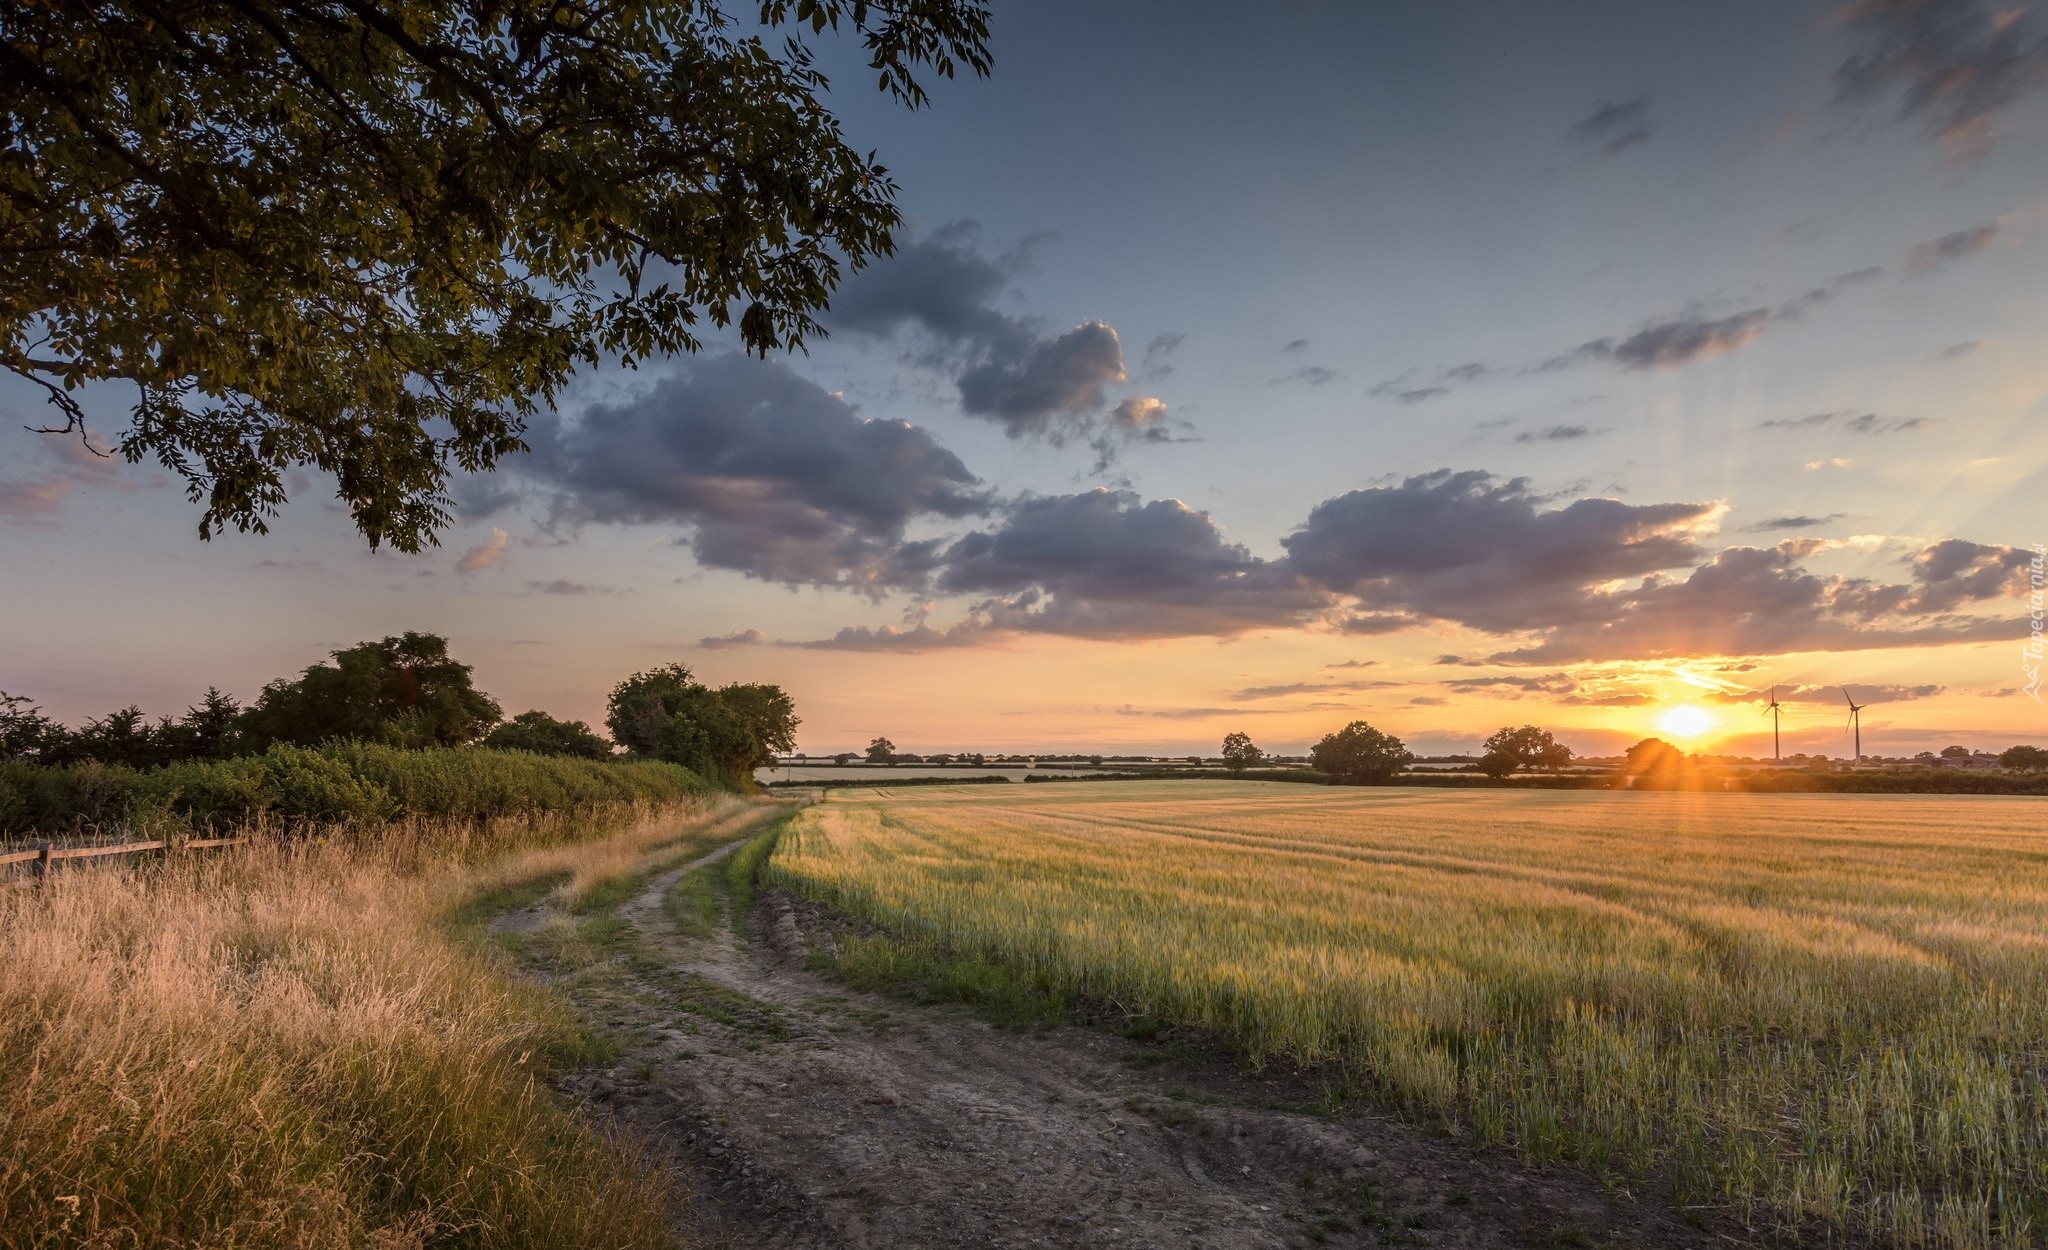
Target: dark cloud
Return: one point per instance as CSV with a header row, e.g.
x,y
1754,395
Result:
x,y
1158,352
731,640
1007,369
1851,420
1699,333
1612,127
1891,693
1370,623
1313,375
1353,664
1951,64
563,586
1761,601
1959,350
1295,345
1774,524
1251,693
1933,254
1555,434
1955,572
1106,564
1470,547
775,478
888,638
1519,684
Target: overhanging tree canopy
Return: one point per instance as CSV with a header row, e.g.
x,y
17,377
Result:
x,y
370,235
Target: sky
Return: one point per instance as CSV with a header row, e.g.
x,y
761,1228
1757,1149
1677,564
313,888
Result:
x,y
1447,367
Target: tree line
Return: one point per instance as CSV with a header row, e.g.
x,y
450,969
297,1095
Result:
x,y
407,691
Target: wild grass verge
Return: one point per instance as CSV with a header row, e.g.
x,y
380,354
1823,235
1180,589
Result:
x,y
285,1045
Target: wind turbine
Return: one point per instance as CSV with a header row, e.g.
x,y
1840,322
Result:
x,y
1774,710
1855,721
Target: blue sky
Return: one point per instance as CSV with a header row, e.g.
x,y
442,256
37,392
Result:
x,y
1632,355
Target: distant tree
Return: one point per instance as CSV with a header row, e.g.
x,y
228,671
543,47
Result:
x,y
723,734
25,733
881,751
125,737
404,690
1955,753
1358,752
544,735
1239,753
1654,756
845,757
978,759
1529,747
212,730
2023,759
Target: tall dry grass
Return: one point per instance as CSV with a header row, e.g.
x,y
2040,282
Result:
x,y
284,1045
1814,1011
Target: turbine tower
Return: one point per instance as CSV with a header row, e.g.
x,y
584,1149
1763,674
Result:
x,y
1775,710
1855,722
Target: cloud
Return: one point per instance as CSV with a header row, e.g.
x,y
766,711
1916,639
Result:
x,y
1251,693
1470,547
1007,371
1158,352
36,497
887,638
1959,350
774,478
731,640
1953,65
484,555
1353,664
1313,375
1429,700
1851,420
1892,693
1294,345
1612,127
563,586
1955,572
1555,434
81,460
1107,564
1933,254
1669,342
1761,601
1773,524
1029,390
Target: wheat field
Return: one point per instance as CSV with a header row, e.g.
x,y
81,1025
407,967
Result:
x,y
1821,1013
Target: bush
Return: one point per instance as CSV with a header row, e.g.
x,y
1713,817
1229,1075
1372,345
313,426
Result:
x,y
352,783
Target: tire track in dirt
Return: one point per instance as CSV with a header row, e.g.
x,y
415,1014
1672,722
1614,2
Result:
x,y
805,1115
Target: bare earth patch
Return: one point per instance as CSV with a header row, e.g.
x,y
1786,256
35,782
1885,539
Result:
x,y
807,1115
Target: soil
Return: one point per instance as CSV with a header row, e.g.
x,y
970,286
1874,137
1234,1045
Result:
x,y
801,1114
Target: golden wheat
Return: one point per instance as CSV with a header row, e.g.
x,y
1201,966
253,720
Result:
x,y
1814,1010
282,1045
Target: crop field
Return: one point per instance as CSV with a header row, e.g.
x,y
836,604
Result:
x,y
1823,1013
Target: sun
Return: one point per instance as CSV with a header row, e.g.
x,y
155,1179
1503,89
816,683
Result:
x,y
1685,721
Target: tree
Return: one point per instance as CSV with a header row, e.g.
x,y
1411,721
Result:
x,y
1654,756
371,236
1955,753
722,734
25,733
404,690
1360,753
2023,759
544,735
844,758
881,751
1528,747
1239,753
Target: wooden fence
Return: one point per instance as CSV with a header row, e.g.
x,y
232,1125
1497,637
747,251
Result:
x,y
44,856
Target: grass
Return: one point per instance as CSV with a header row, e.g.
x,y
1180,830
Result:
x,y
307,1043
1818,1012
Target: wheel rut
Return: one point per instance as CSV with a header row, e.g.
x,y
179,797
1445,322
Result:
x,y
802,1114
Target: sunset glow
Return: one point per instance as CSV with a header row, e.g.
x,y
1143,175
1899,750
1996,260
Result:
x,y
1685,721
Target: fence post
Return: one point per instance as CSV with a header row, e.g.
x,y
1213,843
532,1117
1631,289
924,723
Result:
x,y
41,870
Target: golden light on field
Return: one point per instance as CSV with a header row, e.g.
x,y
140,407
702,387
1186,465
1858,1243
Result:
x,y
1685,721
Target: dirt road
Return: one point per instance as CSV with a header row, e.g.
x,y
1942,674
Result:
x,y
806,1115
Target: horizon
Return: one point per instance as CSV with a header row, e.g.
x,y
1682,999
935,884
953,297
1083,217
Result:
x,y
1464,368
